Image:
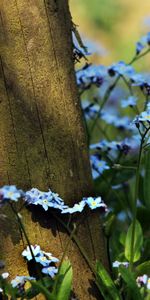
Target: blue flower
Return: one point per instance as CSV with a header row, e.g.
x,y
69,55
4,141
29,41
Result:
x,y
94,203
143,117
130,101
21,280
117,263
10,192
76,208
139,47
42,260
50,257
32,196
102,145
143,43
51,271
98,166
56,198
45,199
27,253
137,79
121,68
90,109
46,258
143,280
90,75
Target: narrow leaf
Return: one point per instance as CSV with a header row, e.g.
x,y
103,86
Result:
x,y
143,268
62,287
138,242
105,284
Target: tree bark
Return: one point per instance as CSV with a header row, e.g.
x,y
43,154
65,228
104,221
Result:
x,y
43,141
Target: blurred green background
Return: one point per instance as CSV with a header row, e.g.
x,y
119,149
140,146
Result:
x,y
115,25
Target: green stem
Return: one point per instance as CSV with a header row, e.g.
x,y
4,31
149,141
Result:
x,y
118,166
67,244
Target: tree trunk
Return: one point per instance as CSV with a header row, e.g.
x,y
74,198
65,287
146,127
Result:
x,y
43,141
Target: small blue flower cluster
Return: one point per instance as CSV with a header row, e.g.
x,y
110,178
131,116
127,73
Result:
x,y
92,202
45,199
19,282
48,199
43,258
128,145
91,75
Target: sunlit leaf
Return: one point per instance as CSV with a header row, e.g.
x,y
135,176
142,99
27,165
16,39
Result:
x,y
138,242
63,282
105,283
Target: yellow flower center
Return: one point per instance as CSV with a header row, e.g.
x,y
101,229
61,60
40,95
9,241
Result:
x,y
10,194
45,201
100,164
43,258
93,203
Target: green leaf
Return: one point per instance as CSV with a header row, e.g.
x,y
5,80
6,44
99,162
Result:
x,y
130,281
138,242
63,282
105,284
143,268
146,183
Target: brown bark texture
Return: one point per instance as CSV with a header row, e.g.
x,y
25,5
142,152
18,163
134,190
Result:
x,y
42,137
